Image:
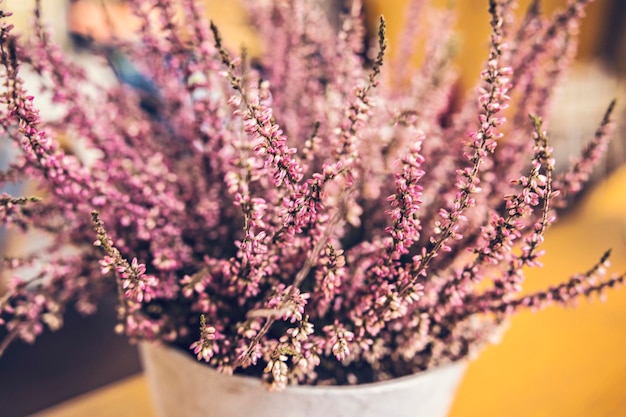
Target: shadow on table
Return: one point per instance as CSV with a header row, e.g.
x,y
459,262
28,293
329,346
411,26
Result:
x,y
85,354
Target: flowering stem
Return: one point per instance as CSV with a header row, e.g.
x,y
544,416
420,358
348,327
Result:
x,y
506,230
273,147
7,201
572,180
483,144
299,278
527,62
8,339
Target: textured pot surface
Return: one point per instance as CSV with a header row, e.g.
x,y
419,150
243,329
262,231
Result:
x,y
182,387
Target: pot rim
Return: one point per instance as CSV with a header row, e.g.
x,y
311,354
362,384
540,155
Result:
x,y
387,385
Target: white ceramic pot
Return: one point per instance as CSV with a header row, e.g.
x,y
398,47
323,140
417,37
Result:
x,y
182,387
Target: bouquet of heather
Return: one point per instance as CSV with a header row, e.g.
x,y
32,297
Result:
x,y
321,214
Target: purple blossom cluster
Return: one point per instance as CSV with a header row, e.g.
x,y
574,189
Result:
x,y
311,216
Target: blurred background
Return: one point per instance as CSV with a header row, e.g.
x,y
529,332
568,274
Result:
x,y
555,362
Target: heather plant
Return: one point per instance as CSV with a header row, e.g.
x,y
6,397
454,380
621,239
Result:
x,y
321,214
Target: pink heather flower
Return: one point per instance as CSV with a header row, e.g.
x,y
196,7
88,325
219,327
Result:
x,y
207,346
339,341
316,204
289,303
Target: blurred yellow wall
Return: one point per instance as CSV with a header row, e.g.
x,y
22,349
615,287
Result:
x,y
473,28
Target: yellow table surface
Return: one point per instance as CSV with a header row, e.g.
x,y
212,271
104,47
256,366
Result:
x,y
558,362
